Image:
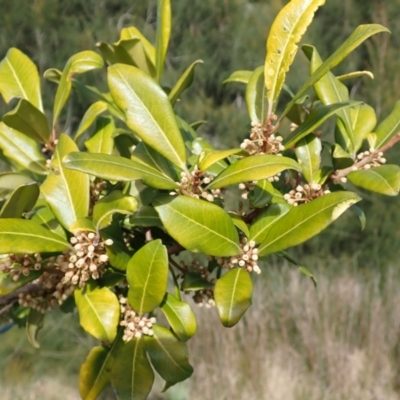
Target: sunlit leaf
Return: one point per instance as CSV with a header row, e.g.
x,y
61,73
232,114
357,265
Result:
x,y
21,201
90,116
308,151
102,140
256,96
238,76
388,128
163,34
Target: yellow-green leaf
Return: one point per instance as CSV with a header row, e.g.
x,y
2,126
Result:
x,y
163,34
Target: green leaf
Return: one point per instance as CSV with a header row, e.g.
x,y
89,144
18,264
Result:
x,y
197,225
34,324
315,119
183,82
169,356
84,224
261,195
388,128
102,140
308,151
21,201
180,317
256,96
355,74
146,216
9,181
360,34
107,206
340,158
253,168
209,157
23,150
261,225
90,116
309,274
383,180
232,296
148,111
305,221
240,224
99,312
66,191
363,119
131,375
163,34
94,374
19,78
194,282
115,168
147,275
77,64
45,217
29,120
23,236
52,75
287,30
361,216
8,285
239,76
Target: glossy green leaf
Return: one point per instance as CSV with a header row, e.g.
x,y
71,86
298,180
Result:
x,y
24,236
383,180
305,221
8,285
23,150
114,168
209,157
232,296
163,34
308,151
363,119
29,120
88,119
99,312
131,375
34,324
261,195
180,317
66,191
94,374
322,175
146,216
107,206
19,78
272,215
147,275
360,34
102,140
84,224
315,119
77,64
21,201
52,75
388,128
183,82
198,225
194,282
286,31
45,217
169,356
253,168
256,96
239,76
148,111
9,181
340,158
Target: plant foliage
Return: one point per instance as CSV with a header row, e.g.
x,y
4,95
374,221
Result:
x,y
115,220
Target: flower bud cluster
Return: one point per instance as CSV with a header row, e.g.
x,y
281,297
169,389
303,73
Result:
x,y
246,188
18,265
194,185
87,259
305,194
248,258
96,189
376,159
135,325
261,141
49,291
203,297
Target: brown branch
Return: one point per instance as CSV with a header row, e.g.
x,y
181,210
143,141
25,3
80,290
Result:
x,y
177,266
175,249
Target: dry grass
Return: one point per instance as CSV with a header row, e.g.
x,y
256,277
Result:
x,y
337,342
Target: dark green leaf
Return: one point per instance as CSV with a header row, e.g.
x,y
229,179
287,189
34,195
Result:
x,y
194,282
146,216
21,201
261,195
34,324
8,285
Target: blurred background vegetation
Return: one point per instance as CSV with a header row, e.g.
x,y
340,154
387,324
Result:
x,y
355,269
